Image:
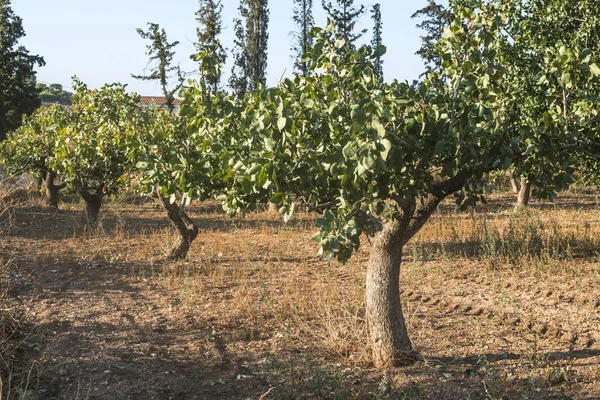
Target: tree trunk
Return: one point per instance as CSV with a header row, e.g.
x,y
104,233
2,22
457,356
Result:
x,y
51,189
92,208
524,193
515,184
186,230
387,330
93,202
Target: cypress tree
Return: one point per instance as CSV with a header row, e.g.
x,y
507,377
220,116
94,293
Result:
x,y
301,39
238,81
208,31
18,93
345,16
434,18
250,54
257,38
377,38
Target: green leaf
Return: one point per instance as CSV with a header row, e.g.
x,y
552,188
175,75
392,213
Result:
x,y
388,146
379,51
281,123
358,115
269,144
339,43
253,169
595,69
348,151
289,213
361,169
276,198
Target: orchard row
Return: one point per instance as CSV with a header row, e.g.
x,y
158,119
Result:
x,y
372,157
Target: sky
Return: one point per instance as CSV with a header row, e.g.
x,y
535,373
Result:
x,y
97,40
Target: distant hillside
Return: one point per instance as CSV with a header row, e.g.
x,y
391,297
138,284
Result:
x,y
54,93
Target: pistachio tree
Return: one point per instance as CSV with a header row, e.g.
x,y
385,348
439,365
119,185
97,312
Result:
x,y
31,148
378,159
552,61
186,158
375,159
91,154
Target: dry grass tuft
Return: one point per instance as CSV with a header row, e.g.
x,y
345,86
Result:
x,y
15,377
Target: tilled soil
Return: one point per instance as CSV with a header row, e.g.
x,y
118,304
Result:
x,y
253,314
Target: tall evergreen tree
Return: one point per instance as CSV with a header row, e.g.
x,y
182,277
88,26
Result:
x,y
18,94
252,36
301,38
434,18
210,26
238,81
161,54
345,16
377,38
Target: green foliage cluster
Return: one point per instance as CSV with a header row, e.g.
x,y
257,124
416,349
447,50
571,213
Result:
x,y
18,94
54,93
161,53
85,145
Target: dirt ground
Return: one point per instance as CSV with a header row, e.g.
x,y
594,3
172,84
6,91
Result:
x,y
498,306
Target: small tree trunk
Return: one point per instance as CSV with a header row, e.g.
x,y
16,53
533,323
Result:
x,y
93,202
387,330
186,230
515,184
51,189
524,193
92,208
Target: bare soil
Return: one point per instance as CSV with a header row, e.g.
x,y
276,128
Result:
x,y
499,306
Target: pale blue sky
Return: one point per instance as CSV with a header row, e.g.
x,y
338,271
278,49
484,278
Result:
x,y
97,40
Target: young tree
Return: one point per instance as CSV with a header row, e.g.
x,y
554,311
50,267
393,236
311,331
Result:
x,y
18,94
251,43
301,37
187,158
32,147
345,16
91,154
209,19
435,17
376,42
161,53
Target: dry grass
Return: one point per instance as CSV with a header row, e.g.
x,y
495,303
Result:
x,y
500,305
16,375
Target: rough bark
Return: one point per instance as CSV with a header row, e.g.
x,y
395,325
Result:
x,y
524,193
389,338
515,184
93,201
387,329
51,189
185,228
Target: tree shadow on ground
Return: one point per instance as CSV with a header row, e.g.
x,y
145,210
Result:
x,y
38,222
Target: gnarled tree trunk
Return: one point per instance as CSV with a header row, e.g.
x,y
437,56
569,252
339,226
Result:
x,y
51,189
186,230
93,201
387,329
389,338
524,193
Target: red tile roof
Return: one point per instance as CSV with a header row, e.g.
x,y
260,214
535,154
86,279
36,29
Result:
x,y
158,100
